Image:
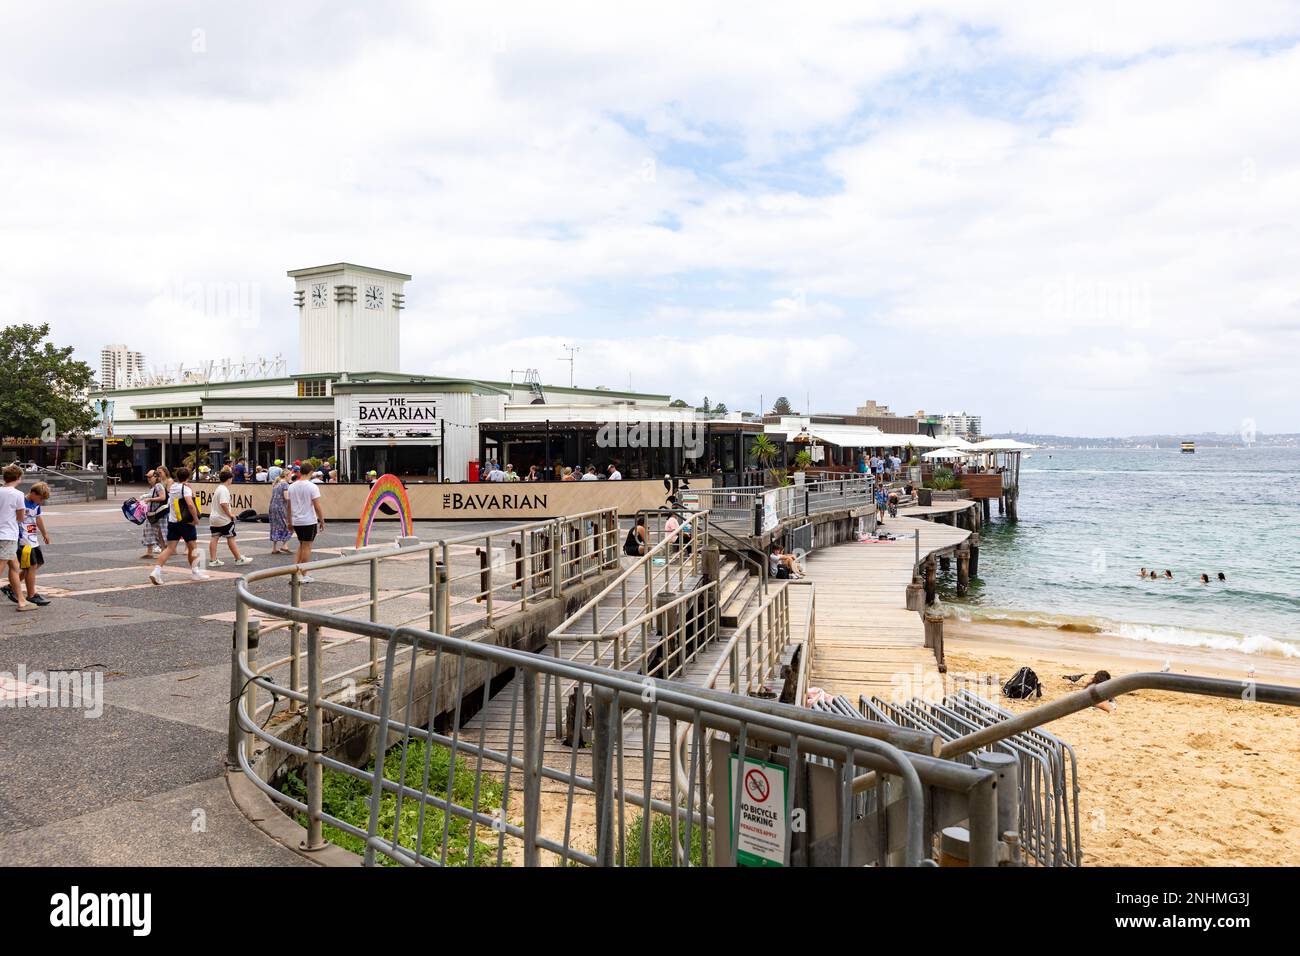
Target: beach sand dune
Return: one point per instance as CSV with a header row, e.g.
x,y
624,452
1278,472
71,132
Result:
x,y
1169,779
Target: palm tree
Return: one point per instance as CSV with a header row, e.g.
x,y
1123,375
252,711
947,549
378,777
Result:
x,y
764,451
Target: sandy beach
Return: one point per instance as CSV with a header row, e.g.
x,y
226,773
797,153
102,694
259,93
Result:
x,y
1169,779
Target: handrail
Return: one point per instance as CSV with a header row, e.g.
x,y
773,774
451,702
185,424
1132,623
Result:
x,y
1116,687
850,745
699,534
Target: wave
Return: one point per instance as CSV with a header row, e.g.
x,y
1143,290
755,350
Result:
x,y
1166,634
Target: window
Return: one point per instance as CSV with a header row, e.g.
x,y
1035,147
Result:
x,y
311,388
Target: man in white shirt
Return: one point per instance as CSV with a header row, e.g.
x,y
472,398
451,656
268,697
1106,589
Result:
x,y
221,523
614,474
305,515
495,473
591,474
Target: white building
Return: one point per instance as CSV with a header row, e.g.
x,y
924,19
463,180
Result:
x,y
348,400
119,367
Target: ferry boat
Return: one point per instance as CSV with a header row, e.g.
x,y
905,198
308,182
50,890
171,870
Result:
x,y
1189,448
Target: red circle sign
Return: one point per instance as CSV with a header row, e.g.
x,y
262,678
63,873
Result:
x,y
756,786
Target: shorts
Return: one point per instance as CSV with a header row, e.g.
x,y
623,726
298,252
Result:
x,y
223,530
305,532
8,550
181,531
30,556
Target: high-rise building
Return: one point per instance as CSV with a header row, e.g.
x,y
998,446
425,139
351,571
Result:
x,y
119,367
963,425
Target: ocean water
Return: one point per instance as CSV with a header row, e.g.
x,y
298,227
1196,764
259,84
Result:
x,y
1089,519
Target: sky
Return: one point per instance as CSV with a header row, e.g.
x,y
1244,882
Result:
x,y
1078,219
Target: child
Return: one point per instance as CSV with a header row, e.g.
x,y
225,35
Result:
x,y
30,556
222,522
182,517
13,512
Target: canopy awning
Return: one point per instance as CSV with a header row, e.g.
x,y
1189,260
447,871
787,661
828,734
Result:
x,y
944,454
847,436
1001,444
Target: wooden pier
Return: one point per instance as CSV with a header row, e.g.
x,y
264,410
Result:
x,y
868,640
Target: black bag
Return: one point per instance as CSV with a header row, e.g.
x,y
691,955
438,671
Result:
x,y
157,510
1024,684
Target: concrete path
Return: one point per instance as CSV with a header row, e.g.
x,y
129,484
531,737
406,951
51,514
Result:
x,y
141,782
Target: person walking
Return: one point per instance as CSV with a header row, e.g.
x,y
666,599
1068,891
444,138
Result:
x,y
279,514
153,532
13,513
182,525
882,503
306,516
221,524
30,533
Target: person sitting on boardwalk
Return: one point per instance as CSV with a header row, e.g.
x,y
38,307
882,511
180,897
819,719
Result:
x,y
782,565
635,544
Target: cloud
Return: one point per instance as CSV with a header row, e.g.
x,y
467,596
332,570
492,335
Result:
x,y
1014,191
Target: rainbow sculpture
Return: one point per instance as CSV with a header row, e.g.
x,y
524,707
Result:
x,y
387,493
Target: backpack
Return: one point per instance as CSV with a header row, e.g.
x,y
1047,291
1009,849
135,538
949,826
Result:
x,y
1024,684
181,513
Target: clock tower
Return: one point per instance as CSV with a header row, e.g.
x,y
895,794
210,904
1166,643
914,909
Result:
x,y
348,318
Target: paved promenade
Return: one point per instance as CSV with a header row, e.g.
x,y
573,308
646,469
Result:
x,y
141,783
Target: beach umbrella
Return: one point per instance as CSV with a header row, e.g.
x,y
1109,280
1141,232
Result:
x,y
944,454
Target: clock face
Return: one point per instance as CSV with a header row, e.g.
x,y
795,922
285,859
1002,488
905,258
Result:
x,y
374,297
318,295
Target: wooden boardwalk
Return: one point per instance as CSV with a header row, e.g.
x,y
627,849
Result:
x,y
866,638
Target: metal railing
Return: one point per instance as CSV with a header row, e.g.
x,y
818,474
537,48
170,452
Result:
x,y
493,796
65,482
1048,811
453,583
758,511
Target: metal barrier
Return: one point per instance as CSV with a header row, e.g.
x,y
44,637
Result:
x,y
506,800
758,511
468,580
1048,811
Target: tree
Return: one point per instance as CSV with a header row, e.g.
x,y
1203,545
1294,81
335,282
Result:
x,y
705,407
40,381
782,406
720,408
677,403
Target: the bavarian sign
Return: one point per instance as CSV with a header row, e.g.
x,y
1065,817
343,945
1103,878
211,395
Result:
x,y
761,831
396,415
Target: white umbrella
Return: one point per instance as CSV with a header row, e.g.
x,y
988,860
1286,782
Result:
x,y
1001,444
944,454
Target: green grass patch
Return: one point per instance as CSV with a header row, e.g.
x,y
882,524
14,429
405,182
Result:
x,y
661,841
348,799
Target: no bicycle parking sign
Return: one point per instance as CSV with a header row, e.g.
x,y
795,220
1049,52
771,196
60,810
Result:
x,y
762,828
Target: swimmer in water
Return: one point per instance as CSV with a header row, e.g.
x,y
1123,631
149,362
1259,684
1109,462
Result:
x,y
1169,575
1205,579
1222,577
